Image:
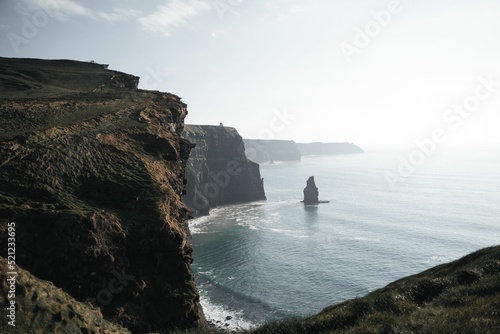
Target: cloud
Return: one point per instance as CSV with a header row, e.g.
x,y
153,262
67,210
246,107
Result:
x,y
120,14
59,8
172,15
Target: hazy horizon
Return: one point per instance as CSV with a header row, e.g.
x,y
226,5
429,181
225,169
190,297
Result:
x,y
379,74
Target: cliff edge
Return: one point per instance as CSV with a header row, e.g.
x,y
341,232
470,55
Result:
x,y
218,171
92,174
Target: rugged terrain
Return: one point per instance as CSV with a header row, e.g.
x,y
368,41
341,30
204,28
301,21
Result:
x,y
43,308
92,174
218,171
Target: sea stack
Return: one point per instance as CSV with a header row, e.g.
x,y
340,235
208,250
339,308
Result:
x,y
311,192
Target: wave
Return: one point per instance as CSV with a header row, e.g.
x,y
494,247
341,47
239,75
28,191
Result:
x,y
221,316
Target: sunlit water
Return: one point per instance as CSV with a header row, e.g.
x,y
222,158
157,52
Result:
x,y
278,258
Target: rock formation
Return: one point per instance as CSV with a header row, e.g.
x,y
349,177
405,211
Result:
x,y
311,192
262,151
218,172
92,173
328,148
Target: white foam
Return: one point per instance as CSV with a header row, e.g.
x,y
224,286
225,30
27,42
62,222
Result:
x,y
288,233
250,226
439,259
198,225
223,318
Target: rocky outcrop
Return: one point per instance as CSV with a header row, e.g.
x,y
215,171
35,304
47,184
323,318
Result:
x,y
92,174
262,151
311,192
218,172
328,148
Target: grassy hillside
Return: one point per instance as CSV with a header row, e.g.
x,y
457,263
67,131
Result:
x,y
31,78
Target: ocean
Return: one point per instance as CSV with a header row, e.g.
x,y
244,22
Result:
x,y
277,259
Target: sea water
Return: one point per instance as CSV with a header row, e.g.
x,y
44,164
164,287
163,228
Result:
x,y
276,259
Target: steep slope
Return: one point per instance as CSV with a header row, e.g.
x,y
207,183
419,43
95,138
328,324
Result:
x,y
218,172
43,308
92,174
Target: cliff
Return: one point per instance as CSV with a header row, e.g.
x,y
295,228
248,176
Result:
x,y
262,151
218,172
328,148
92,174
458,297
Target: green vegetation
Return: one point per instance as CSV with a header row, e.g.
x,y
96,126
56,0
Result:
x,y
34,78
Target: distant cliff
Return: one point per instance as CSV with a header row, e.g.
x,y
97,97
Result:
x,y
92,174
328,148
218,172
262,151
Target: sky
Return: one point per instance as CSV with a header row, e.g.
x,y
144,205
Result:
x,y
393,73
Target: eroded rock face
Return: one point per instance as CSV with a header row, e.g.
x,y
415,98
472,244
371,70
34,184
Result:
x,y
218,171
311,192
92,173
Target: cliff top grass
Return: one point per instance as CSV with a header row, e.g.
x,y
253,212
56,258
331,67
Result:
x,y
32,78
38,94
194,131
